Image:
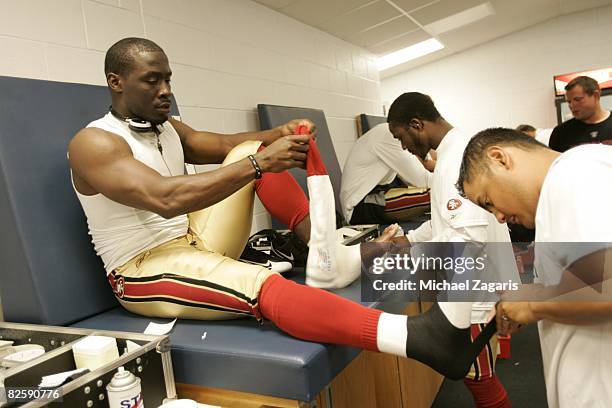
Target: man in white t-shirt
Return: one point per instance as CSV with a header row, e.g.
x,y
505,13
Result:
x,y
415,121
369,193
566,197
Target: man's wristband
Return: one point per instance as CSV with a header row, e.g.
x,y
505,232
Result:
x,y
258,172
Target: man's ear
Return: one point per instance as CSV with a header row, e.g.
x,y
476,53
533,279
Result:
x,y
498,156
597,94
416,124
114,82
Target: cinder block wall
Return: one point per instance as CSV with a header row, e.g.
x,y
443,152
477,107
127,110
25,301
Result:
x,y
227,56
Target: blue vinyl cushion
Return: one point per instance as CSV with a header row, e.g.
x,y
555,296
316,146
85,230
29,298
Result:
x,y
245,356
274,115
48,269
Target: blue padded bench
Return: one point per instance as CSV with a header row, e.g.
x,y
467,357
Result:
x,y
50,275
274,115
367,122
242,355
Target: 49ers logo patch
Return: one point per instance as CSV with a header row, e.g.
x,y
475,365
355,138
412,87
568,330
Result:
x,y
119,288
453,204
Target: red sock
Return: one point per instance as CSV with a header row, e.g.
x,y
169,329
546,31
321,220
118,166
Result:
x,y
314,163
488,393
316,315
283,197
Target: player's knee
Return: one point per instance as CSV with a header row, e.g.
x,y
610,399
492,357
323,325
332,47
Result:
x,y
241,151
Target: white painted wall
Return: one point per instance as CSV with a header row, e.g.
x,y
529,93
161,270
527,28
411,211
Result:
x,y
508,81
227,56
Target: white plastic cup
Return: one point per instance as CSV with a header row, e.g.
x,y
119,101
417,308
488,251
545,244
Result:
x,y
95,351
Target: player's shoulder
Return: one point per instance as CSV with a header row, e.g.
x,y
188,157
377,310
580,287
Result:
x,y
94,135
586,154
379,138
377,133
96,140
581,165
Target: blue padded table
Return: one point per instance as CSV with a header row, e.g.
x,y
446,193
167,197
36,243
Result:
x,y
243,355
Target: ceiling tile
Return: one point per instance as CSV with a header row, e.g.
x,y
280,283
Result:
x,y
383,32
510,17
400,42
360,19
410,5
381,28
464,37
571,6
317,12
442,9
461,19
415,63
275,4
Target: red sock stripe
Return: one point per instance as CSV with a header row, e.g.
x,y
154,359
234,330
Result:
x,y
370,329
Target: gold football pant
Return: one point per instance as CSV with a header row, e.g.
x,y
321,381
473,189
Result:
x,y
197,276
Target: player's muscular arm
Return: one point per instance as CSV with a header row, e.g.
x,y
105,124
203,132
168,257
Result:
x,y
203,147
207,147
103,163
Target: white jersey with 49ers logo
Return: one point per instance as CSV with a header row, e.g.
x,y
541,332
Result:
x,y
454,217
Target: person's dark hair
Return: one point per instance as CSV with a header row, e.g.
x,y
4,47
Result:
x,y
474,155
525,128
119,57
412,105
587,83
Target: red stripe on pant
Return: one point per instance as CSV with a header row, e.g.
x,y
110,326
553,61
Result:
x,y
183,291
486,389
485,369
407,201
303,312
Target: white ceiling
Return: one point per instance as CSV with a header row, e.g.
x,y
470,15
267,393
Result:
x,y
383,26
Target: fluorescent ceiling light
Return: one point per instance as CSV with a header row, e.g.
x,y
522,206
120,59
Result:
x,y
409,53
460,19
